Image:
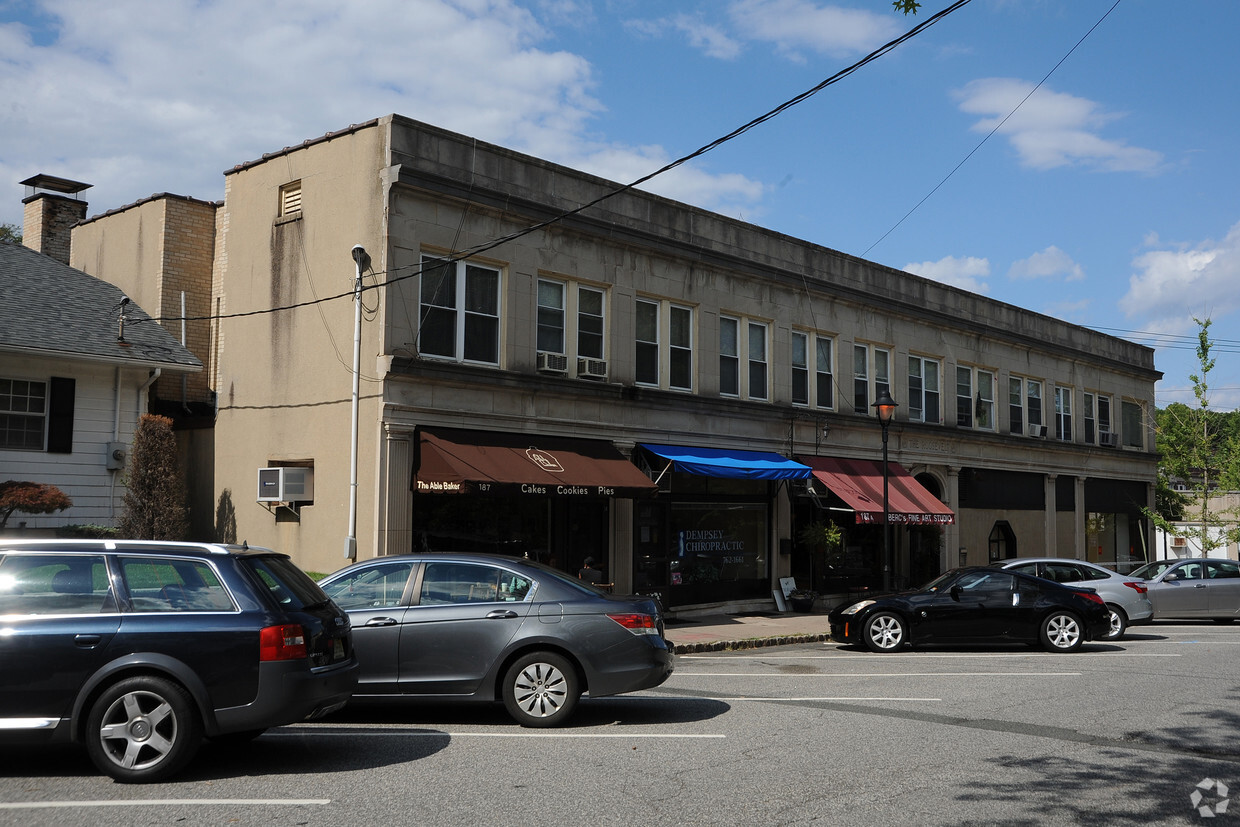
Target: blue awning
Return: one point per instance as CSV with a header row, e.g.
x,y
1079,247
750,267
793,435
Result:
x,y
730,464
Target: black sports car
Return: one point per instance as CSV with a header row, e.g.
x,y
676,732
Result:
x,y
976,604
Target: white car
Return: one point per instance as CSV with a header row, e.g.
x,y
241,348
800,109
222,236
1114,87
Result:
x,y
1125,595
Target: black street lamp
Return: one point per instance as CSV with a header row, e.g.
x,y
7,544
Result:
x,y
885,407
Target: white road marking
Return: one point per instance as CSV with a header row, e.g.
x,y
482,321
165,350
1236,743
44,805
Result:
x,y
880,675
165,802
920,656
389,731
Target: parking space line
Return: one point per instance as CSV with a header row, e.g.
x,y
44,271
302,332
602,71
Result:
x,y
836,698
166,802
880,675
921,656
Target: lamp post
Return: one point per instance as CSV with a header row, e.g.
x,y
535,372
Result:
x,y
362,262
885,407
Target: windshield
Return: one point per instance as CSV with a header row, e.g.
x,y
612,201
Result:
x,y
939,582
1151,570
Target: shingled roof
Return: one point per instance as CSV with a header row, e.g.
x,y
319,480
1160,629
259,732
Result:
x,y
50,309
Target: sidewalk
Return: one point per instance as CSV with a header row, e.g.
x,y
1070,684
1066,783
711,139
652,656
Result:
x,y
749,630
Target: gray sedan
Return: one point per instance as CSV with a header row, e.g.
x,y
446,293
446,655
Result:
x,y
1125,595
479,627
1192,588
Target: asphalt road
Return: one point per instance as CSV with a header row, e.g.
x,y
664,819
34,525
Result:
x,y
1121,733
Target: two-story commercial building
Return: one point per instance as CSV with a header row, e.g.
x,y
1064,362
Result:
x,y
557,366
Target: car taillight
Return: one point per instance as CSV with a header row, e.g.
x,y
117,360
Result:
x,y
638,624
1094,596
286,642
1139,588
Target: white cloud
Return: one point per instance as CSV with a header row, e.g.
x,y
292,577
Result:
x,y
794,25
1051,129
1049,263
1179,282
965,273
711,40
138,98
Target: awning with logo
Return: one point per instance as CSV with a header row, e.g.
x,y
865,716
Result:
x,y
727,463
457,461
859,483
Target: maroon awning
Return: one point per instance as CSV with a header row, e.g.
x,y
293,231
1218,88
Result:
x,y
454,461
859,483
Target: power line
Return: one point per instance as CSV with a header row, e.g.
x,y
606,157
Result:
x,y
415,270
998,126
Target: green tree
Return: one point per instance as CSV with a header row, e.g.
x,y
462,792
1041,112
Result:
x,y
906,6
1199,449
155,496
10,234
30,498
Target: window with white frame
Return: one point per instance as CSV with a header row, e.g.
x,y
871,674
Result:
x,y
565,308
923,390
737,337
758,373
459,311
870,362
975,398
1096,417
665,338
1024,405
1063,414
647,342
23,414
812,381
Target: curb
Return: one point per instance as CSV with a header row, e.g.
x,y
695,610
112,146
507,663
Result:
x,y
752,643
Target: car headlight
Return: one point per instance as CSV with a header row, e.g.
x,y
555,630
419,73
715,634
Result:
x,y
856,607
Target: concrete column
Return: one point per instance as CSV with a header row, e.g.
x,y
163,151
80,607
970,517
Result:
x,y
395,518
950,555
1049,544
621,554
1079,550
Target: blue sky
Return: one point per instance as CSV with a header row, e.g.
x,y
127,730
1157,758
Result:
x,y
1109,197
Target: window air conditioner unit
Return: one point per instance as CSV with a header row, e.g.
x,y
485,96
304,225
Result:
x,y
1179,542
552,362
1108,439
285,485
592,368
1038,431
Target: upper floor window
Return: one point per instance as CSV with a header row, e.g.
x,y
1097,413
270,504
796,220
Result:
x,y
975,398
870,363
1063,414
563,307
737,337
923,390
23,414
459,311
1133,426
664,344
1024,405
822,386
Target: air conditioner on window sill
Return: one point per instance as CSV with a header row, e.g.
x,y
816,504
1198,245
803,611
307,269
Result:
x,y
1038,431
1179,542
552,362
1108,440
592,368
285,485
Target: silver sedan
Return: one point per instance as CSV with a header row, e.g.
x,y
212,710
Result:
x,y
1196,587
1125,594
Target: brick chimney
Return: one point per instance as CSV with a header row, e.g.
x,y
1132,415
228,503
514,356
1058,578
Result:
x,y
52,208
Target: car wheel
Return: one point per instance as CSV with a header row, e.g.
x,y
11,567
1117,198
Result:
x,y
1119,623
541,689
1061,632
143,729
884,632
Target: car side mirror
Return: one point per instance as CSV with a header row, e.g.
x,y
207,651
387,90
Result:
x,y
1170,577
955,593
